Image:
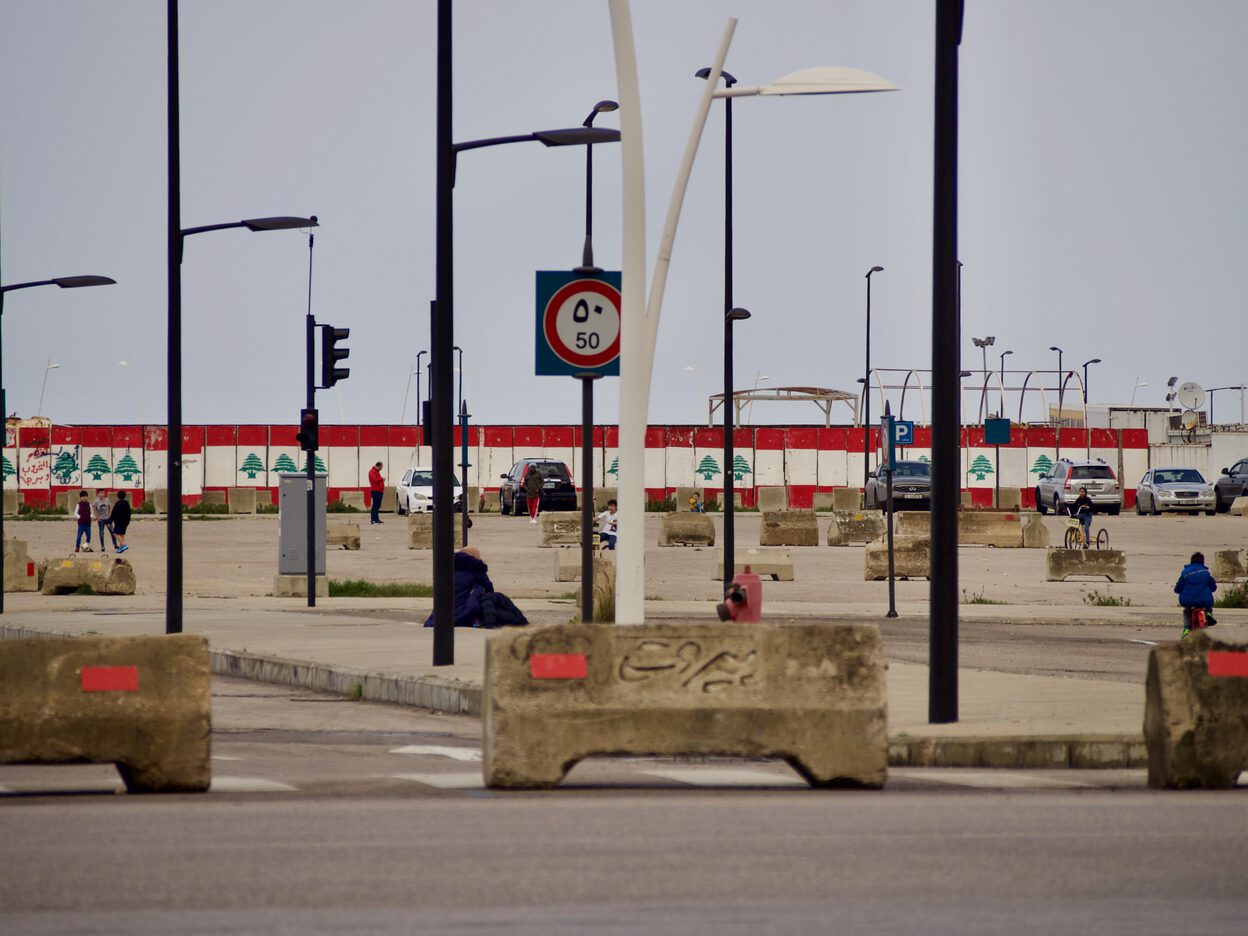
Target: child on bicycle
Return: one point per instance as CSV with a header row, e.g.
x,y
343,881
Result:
x,y
1082,508
1195,589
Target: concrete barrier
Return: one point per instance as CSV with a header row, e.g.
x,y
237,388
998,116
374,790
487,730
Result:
x,y
567,564
160,500
102,576
20,573
242,500
990,528
560,529
296,586
846,498
489,502
682,498
789,528
1196,713
1009,498
389,499
142,703
849,527
812,694
912,523
1239,507
344,533
212,499
264,498
420,530
686,529
775,561
357,500
912,558
770,499
12,502
1035,534
1060,564
604,589
822,502
1229,565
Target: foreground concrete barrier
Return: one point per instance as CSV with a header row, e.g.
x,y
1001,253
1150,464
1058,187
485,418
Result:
x,y
102,576
1196,713
812,694
686,529
846,498
20,573
212,499
775,561
560,529
912,523
242,500
1062,563
354,499
1035,534
420,530
1239,507
344,533
789,528
296,586
604,589
142,703
771,499
1230,565
849,527
990,528
912,558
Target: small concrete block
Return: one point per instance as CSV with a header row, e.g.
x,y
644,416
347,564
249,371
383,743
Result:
x,y
847,499
20,574
160,499
213,499
65,500
686,529
771,499
264,498
242,500
389,499
1002,529
967,503
822,502
1196,713
775,561
296,586
812,694
1035,534
142,703
12,501
1239,507
560,529
849,527
344,533
789,528
1009,498
354,499
911,558
474,498
420,530
567,564
1060,564
489,502
102,575
912,523
1230,565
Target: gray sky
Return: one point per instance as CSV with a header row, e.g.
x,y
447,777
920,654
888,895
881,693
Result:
x,y
1102,195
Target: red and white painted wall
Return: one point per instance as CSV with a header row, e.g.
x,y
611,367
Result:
x,y
41,461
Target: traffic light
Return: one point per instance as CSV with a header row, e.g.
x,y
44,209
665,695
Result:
x,y
331,373
308,434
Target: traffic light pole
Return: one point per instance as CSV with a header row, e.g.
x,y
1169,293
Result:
x,y
311,467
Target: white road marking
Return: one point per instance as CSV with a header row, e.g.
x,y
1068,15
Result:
x,y
224,757
454,753
5,791
1147,643
986,778
248,785
446,781
727,776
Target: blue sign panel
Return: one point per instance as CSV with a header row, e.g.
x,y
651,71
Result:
x,y
996,432
578,323
903,432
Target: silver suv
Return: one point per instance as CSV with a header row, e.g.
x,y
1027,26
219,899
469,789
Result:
x,y
1060,487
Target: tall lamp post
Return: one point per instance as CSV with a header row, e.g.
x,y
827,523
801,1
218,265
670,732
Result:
x,y
442,323
1061,385
64,282
134,386
587,249
44,386
866,392
1003,356
984,344
730,413
1095,360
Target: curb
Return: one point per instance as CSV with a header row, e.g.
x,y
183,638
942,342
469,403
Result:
x,y
1041,752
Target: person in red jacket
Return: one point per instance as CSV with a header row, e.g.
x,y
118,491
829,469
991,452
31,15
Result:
x,y
376,485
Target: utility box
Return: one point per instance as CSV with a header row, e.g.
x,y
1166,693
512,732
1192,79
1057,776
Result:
x,y
292,522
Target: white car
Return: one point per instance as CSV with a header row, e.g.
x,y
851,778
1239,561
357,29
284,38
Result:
x,y
1174,489
414,492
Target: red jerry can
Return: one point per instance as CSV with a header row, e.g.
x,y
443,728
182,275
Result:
x,y
743,599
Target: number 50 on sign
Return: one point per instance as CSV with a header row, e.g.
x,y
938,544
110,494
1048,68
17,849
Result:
x,y
578,323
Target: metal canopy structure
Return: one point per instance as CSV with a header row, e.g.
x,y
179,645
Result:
x,y
822,397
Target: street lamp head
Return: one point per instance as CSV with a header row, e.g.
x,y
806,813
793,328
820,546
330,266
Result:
x,y
706,73
76,282
282,223
602,107
577,136
1004,353
984,342
737,315
874,269
829,80
1055,348
1095,360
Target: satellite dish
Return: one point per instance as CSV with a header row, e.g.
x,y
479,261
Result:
x,y
1190,419
1191,395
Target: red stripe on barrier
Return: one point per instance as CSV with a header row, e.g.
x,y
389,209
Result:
x,y
1227,663
110,679
30,569
558,666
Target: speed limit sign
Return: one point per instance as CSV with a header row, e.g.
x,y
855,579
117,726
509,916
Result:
x,y
578,323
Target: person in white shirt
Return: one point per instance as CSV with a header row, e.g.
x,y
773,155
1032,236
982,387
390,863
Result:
x,y
608,522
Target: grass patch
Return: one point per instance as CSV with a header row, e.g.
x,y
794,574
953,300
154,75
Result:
x,y
266,508
356,691
977,598
1097,600
666,505
339,507
41,512
148,507
202,509
362,588
1234,596
83,590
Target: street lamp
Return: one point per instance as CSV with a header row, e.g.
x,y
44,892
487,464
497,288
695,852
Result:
x,y
984,344
419,411
1095,360
1003,354
1138,383
1240,388
866,395
64,282
47,370
587,251
730,555
1061,385
134,386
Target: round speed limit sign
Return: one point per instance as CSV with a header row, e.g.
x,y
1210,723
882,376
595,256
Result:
x,y
581,323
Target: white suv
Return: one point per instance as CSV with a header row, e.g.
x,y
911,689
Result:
x,y
1059,489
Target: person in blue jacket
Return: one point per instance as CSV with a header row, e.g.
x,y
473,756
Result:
x,y
476,602
1195,589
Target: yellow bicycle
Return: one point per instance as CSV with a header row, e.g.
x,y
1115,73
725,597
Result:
x,y
1074,536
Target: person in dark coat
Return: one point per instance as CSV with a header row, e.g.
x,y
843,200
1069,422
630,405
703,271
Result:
x,y
533,491
121,520
476,602
1195,589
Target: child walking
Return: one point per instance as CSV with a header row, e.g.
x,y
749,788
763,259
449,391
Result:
x,y
102,511
121,520
1195,589
83,513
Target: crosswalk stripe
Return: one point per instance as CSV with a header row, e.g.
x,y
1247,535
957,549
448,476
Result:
x,y
726,776
985,779
224,757
454,753
248,785
446,781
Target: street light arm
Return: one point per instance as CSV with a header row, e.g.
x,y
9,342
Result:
x,y
65,282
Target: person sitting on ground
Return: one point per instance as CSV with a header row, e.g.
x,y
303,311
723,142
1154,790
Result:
x,y
477,604
608,523
1195,589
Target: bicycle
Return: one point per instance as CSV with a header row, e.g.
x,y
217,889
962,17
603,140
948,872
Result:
x,y
1074,535
1196,619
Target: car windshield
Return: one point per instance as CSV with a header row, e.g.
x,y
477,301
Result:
x,y
1091,472
424,478
1178,476
912,470
552,471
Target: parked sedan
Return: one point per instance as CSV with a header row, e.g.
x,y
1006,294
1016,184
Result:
x,y
414,492
1232,484
558,491
1174,489
912,487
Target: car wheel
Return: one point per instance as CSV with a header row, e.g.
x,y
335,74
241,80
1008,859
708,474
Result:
x,y
1210,513
398,506
1115,510
1040,508
1139,511
1222,506
502,503
1057,505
